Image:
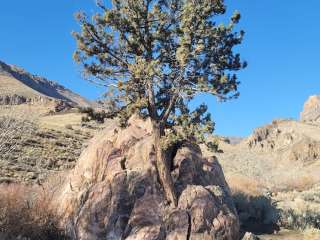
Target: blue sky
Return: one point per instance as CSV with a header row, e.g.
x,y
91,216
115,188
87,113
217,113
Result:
x,y
281,46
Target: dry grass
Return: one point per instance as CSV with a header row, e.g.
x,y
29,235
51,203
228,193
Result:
x,y
245,185
27,211
29,150
13,126
300,210
59,121
294,206
299,183
30,111
256,212
311,234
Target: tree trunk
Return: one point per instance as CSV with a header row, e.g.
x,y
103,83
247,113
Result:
x,y
163,167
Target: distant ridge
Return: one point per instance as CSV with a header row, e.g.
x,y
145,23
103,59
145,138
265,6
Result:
x,y
18,86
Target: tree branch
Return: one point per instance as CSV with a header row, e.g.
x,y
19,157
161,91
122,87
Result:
x,y
103,45
166,113
151,101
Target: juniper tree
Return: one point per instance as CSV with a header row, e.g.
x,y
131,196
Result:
x,y
154,57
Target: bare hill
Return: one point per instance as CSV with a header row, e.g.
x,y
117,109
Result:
x,y
274,173
284,151
18,86
41,129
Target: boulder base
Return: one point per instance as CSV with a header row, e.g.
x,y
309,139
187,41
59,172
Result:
x,y
114,193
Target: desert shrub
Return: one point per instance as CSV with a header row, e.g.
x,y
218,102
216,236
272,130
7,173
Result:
x,y
256,211
26,212
12,128
78,131
311,234
92,115
85,110
299,183
99,116
300,210
85,119
69,126
213,145
292,219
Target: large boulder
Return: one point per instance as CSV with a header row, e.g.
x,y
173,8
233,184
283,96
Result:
x,y
114,193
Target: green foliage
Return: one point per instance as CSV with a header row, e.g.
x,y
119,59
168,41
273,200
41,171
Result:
x,y
155,56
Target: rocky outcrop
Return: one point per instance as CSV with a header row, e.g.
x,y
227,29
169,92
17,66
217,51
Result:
x,y
55,105
114,193
265,137
306,151
12,100
311,110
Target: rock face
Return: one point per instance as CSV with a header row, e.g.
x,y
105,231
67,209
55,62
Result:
x,y
114,193
12,100
56,105
311,110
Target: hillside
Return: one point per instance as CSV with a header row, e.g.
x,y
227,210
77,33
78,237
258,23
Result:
x,y
18,86
41,127
274,174
36,143
276,154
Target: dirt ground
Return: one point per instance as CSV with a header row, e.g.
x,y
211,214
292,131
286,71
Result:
x,y
284,235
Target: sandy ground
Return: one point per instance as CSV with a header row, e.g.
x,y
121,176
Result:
x,y
284,235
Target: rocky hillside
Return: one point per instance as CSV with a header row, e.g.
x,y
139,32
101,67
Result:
x,y
35,144
276,153
17,86
41,127
274,173
37,152
281,153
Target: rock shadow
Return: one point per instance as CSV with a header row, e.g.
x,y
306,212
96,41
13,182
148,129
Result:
x,y
257,214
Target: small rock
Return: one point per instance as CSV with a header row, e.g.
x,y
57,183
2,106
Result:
x,y
250,236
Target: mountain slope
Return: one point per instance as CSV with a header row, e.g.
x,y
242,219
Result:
x,y
17,83
281,155
274,174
